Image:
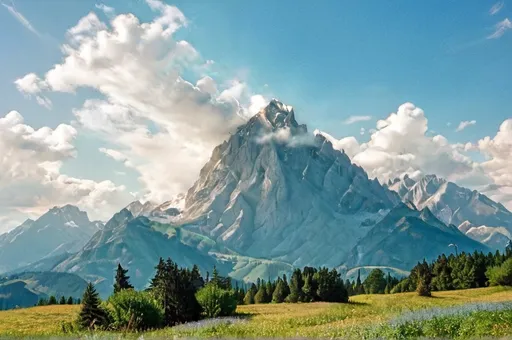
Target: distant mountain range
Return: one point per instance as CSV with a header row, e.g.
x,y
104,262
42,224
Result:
x,y
271,197
473,213
60,230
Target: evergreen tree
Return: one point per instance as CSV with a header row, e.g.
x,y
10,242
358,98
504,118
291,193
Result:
x,y
69,301
279,293
42,302
197,279
441,272
296,285
308,294
174,289
62,300
249,296
121,280
286,286
52,300
375,283
270,291
261,296
91,315
424,287
358,288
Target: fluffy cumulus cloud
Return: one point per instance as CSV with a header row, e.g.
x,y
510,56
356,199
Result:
x,y
402,145
31,181
160,124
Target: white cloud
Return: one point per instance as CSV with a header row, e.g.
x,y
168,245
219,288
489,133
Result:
x,y
500,28
157,123
362,131
109,11
496,8
355,119
401,145
31,85
464,124
31,181
21,18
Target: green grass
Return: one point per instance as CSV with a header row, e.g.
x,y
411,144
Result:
x,y
366,316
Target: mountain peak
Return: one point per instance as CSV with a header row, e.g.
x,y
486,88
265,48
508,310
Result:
x,y
279,115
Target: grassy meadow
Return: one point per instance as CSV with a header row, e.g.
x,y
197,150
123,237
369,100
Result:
x,y
366,316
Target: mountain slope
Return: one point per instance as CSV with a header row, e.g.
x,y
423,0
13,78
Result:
x,y
135,244
60,230
473,213
25,289
406,236
273,191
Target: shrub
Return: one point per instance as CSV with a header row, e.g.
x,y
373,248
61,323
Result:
x,y
500,275
132,310
216,301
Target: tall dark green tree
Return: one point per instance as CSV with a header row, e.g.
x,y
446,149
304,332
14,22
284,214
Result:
x,y
375,283
296,285
174,288
358,288
249,296
69,301
62,300
424,287
262,296
91,314
280,292
121,280
52,300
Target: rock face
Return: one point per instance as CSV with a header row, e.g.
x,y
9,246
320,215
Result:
x,y
473,213
60,230
273,191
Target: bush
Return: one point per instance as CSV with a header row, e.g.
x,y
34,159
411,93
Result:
x,y
216,301
132,310
500,275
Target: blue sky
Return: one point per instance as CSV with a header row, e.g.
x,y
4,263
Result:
x,y
330,61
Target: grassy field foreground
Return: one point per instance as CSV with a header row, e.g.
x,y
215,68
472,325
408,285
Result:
x,y
277,320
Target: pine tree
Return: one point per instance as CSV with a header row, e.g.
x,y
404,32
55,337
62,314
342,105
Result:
x,y
261,296
69,301
91,315
52,300
249,296
358,288
424,287
270,290
62,300
122,280
296,284
42,302
308,294
286,286
279,293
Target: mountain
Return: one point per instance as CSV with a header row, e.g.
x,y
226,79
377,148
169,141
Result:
x,y
25,289
473,213
273,191
60,230
405,237
136,243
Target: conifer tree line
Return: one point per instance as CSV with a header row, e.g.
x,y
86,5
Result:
x,y
462,271
307,285
52,300
177,295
